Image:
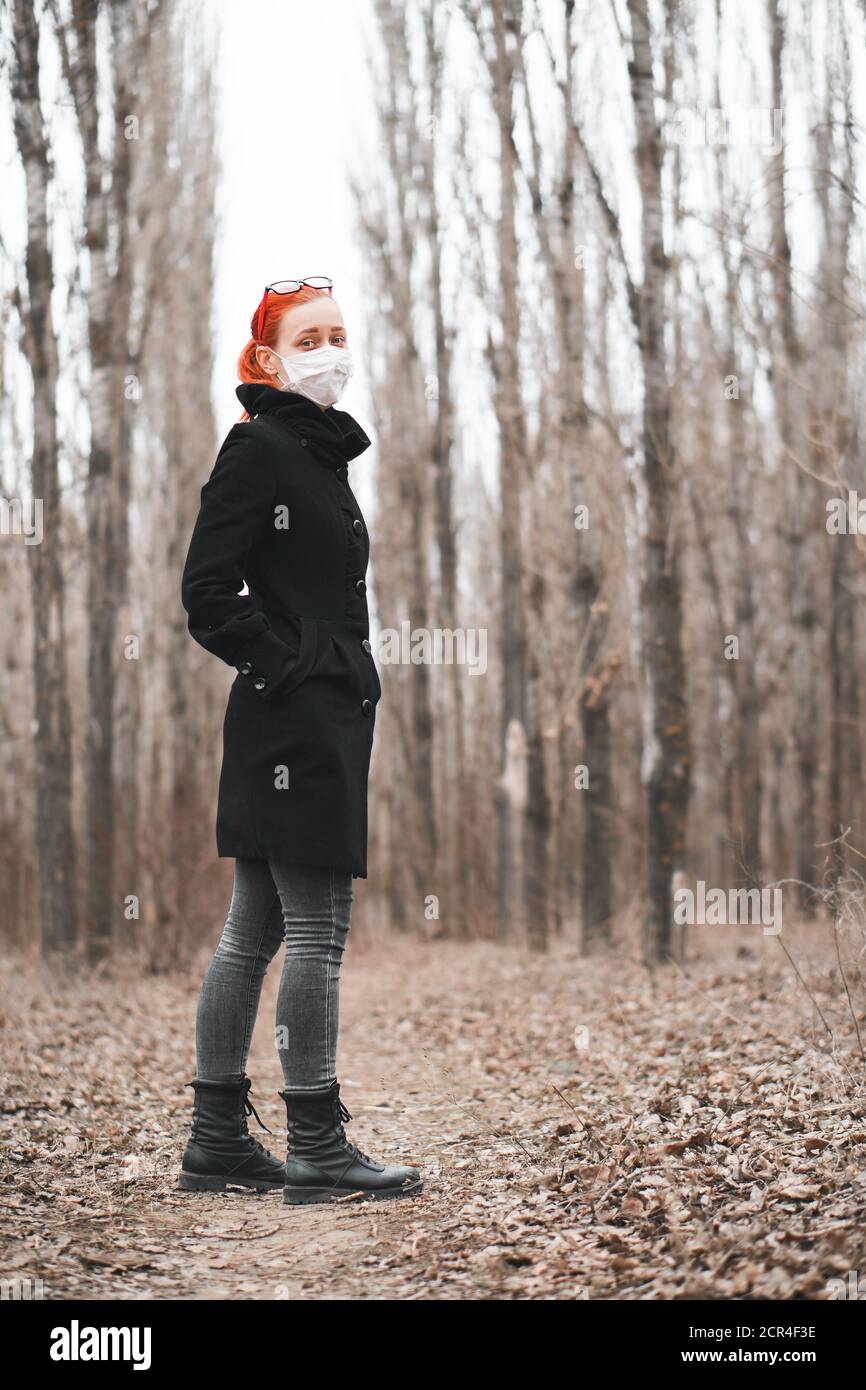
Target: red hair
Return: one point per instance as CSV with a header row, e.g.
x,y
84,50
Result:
x,y
276,306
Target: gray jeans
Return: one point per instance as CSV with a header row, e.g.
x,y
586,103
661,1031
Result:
x,y
310,909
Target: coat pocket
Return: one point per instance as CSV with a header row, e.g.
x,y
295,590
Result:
x,y
305,660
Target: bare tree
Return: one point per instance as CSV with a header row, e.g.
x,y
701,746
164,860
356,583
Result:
x,y
802,502
78,47
452,741
831,432
498,31
651,490
666,760
53,751
408,428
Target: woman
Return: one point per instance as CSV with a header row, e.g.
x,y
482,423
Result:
x,y
279,518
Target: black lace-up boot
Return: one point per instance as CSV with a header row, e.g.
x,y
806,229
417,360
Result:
x,y
323,1165
221,1150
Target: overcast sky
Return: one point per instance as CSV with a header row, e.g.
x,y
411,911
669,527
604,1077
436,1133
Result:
x,y
295,96
296,114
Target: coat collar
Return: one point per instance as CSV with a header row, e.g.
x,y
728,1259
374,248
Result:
x,y
335,435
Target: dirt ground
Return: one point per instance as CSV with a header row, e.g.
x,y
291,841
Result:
x,y
586,1131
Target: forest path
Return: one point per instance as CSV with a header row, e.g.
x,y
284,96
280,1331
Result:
x,y
585,1130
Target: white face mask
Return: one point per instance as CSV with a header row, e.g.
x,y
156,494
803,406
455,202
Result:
x,y
321,374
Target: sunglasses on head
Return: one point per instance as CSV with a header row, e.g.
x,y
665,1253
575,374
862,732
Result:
x,y
316,282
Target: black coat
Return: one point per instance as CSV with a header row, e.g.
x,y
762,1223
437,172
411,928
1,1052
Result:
x,y
278,513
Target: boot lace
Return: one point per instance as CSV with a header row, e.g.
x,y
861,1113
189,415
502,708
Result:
x,y
342,1115
250,1109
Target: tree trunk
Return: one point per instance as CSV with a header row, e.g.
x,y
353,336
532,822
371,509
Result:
x,y
803,503
666,753
513,448
55,843
452,752
78,51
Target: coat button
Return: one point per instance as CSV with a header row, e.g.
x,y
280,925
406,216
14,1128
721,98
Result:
x,y
260,682
367,707
358,527
304,442
360,587
366,646
245,668
343,474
